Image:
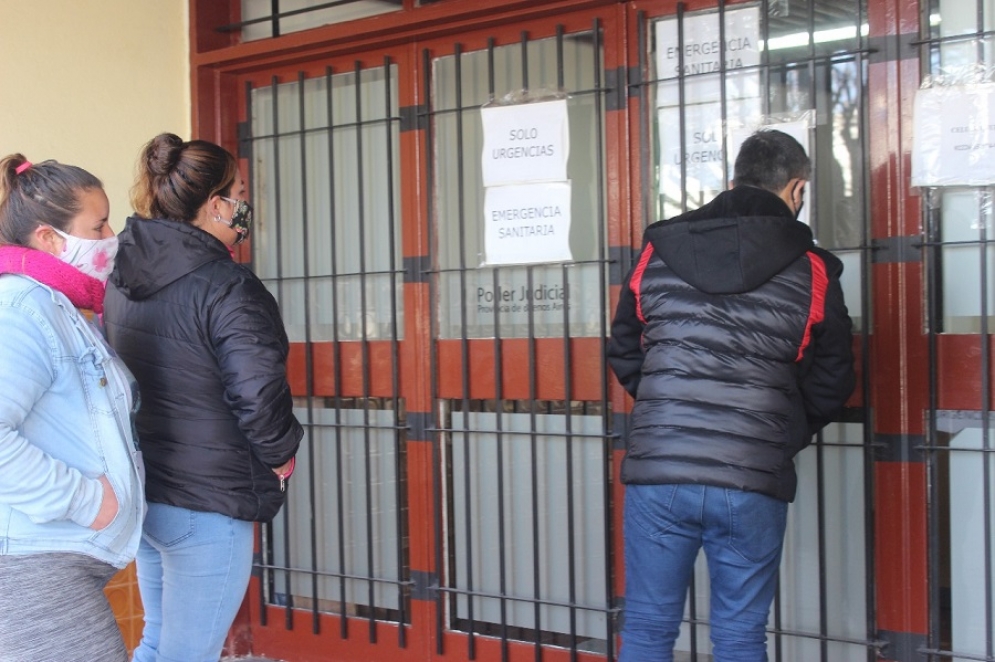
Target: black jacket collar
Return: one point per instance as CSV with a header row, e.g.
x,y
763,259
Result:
x,y
153,253
735,243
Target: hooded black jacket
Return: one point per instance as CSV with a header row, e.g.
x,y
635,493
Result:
x,y
206,343
732,335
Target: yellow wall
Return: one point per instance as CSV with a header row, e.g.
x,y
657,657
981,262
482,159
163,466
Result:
x,y
89,83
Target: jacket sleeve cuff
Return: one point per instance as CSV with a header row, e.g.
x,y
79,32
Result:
x,y
286,445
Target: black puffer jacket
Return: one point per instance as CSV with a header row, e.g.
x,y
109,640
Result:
x,y
206,343
732,335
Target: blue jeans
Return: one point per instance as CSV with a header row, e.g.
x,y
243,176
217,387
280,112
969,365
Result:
x,y
742,534
193,571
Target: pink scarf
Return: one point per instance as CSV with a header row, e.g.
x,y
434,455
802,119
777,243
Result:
x,y
83,291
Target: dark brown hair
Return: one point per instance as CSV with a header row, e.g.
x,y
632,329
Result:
x,y
176,178
48,192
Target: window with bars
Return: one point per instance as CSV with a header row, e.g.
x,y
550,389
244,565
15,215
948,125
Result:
x,y
528,522
325,186
798,66
526,490
264,19
711,78
322,153
958,38
570,299
960,41
339,546
324,172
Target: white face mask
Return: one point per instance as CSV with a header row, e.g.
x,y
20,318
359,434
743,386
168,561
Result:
x,y
94,257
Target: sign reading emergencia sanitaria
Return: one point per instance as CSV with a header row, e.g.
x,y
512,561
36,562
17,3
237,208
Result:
x,y
527,193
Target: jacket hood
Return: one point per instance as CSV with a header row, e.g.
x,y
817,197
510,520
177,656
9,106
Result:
x,y
153,253
735,243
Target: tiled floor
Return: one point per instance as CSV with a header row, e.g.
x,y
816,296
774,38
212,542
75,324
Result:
x,y
122,592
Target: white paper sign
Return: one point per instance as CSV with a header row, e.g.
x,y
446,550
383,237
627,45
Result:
x,y
701,157
702,54
525,143
954,136
698,57
527,223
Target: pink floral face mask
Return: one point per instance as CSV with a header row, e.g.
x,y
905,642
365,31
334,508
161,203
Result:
x,y
94,257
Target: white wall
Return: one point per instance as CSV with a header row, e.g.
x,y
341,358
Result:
x,y
89,83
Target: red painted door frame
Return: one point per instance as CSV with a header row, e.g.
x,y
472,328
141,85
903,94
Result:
x,y
220,71
899,393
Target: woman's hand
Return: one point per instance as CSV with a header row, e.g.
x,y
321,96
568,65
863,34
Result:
x,y
284,469
108,506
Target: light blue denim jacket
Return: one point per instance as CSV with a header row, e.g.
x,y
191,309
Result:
x,y
65,419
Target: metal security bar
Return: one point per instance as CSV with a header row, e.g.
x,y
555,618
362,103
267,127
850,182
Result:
x,y
524,539
264,19
517,405
958,38
811,70
323,172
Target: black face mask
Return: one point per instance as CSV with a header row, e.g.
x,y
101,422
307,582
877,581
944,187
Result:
x,y
801,204
241,219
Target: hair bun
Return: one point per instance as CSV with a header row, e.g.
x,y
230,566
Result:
x,y
163,153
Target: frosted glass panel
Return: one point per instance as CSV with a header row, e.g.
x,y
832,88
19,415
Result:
x,y
966,217
828,94
513,303
960,17
844,502
475,455
349,551
561,300
852,283
305,20
965,214
325,185
971,622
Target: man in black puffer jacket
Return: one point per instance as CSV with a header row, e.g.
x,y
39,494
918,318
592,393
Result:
x,y
733,337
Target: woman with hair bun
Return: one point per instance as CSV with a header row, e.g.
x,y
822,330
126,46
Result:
x,y
206,343
71,502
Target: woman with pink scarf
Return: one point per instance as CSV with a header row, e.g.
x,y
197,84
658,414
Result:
x,y
71,504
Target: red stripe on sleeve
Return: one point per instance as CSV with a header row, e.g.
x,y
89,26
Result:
x,y
817,307
635,283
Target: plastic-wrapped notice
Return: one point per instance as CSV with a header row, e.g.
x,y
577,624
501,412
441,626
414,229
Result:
x,y
954,131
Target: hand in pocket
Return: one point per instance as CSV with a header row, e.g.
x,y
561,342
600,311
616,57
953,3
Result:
x,y
108,506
